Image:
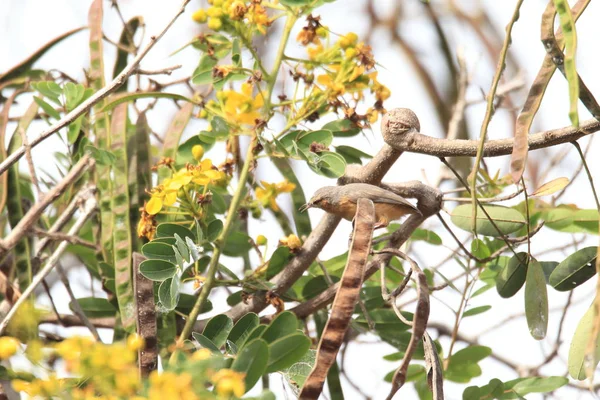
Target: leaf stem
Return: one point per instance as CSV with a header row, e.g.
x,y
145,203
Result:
x,y
272,78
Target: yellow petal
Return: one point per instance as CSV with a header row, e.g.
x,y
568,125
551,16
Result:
x,y
170,198
154,205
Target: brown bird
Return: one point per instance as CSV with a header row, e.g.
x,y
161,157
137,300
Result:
x,y
342,200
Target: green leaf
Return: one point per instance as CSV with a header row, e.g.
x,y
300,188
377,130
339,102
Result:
x,y
540,385
206,343
512,276
102,157
168,293
352,155
426,235
306,139
508,220
278,261
237,244
471,393
186,303
577,363
295,3
242,329
49,89
536,300
47,107
202,75
169,230
286,351
296,374
284,324
145,95
342,128
252,360
157,270
316,286
329,164
548,267
462,366
575,269
214,230
217,329
256,333
94,307
476,310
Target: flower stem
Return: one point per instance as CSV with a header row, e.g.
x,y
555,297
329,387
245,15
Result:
x,y
219,244
272,78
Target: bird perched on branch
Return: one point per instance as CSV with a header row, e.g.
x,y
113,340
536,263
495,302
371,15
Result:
x,y
342,200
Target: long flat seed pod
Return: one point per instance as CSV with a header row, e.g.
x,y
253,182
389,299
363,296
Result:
x,y
345,300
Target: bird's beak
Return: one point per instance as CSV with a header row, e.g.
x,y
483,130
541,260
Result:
x,y
305,207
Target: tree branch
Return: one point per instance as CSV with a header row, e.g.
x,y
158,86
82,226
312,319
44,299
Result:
x,y
415,142
95,98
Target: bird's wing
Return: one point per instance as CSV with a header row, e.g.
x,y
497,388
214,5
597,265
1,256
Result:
x,y
378,195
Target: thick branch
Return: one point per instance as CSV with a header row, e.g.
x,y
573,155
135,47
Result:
x,y
95,98
395,122
415,142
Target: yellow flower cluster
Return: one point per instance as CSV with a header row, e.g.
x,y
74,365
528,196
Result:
x,y
103,371
241,108
221,12
348,66
166,193
292,241
184,185
267,194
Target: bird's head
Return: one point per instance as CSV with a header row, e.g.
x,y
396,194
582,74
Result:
x,y
323,198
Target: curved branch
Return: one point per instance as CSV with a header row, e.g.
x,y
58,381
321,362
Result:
x,y
415,142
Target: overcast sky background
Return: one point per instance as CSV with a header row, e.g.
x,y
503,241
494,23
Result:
x,y
25,25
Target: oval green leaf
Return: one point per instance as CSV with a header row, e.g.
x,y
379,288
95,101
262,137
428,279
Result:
x,y
169,230
286,351
577,362
283,325
513,275
205,342
94,307
157,270
508,220
217,329
252,360
159,251
540,384
242,329
278,261
574,270
536,300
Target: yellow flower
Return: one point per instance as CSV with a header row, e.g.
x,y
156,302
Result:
x,y
160,196
292,241
204,173
201,354
257,15
34,351
8,347
242,108
314,51
269,192
336,88
348,40
261,240
215,23
200,16
382,93
135,342
228,382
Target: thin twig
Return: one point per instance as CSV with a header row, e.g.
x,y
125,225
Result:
x,y
96,97
163,71
89,208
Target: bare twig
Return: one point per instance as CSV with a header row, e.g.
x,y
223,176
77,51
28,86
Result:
x,y
75,304
89,208
163,71
38,208
96,97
